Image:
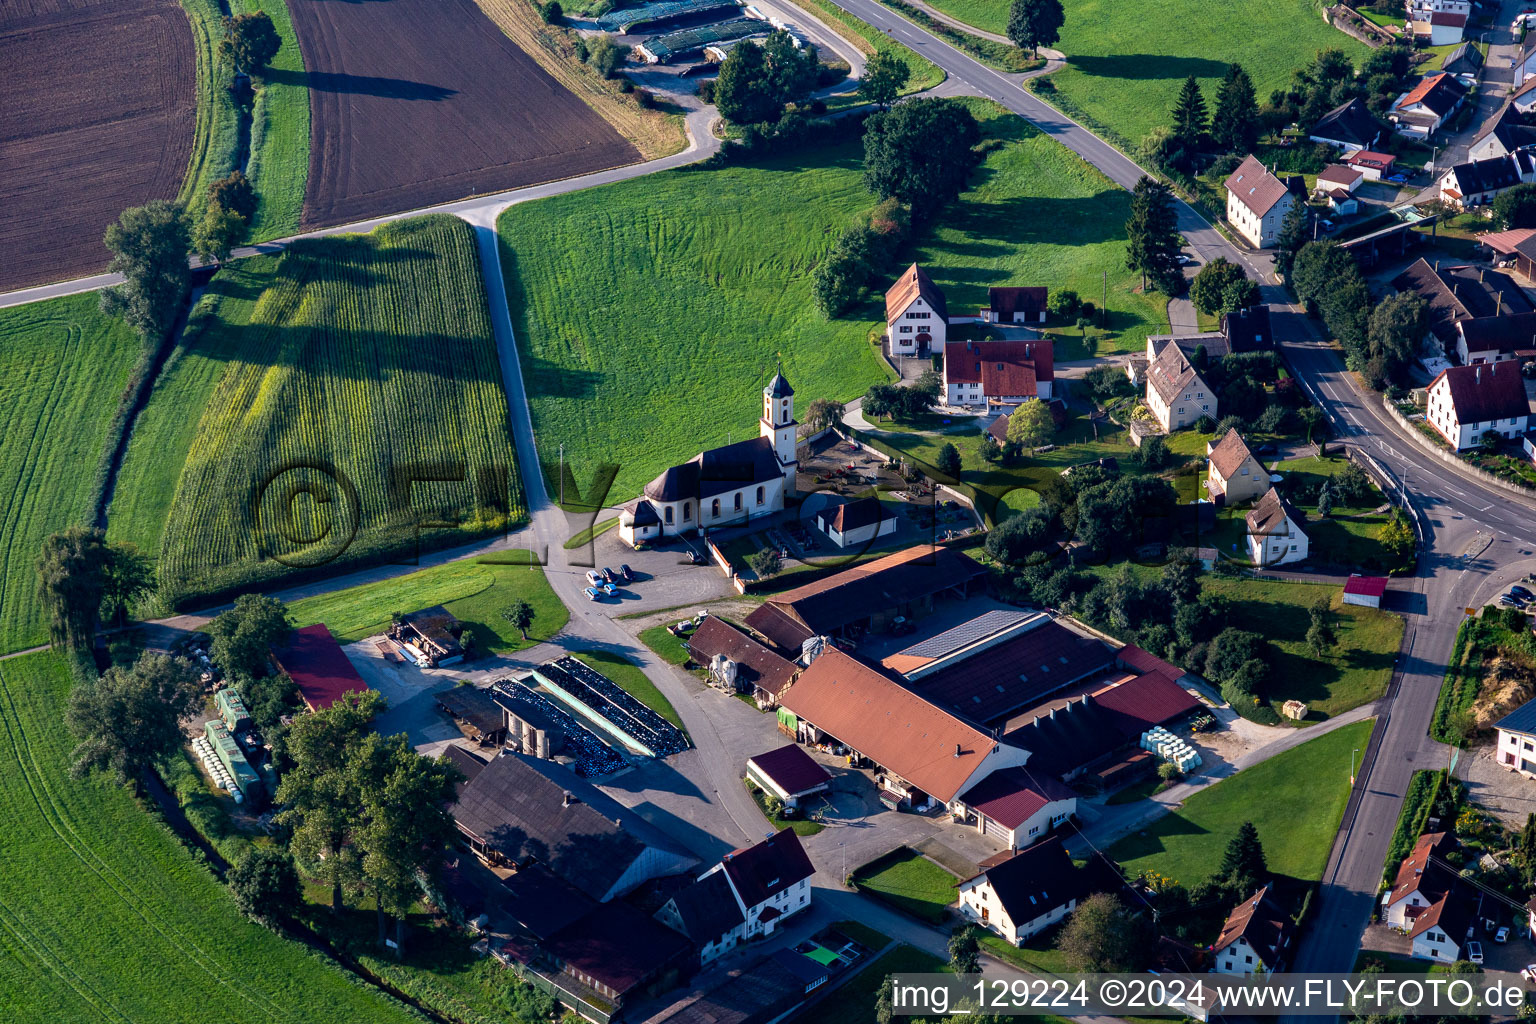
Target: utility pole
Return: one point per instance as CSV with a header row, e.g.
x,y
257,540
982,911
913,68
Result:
x,y
562,474
1352,765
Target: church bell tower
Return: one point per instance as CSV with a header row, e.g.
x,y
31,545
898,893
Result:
x,y
778,425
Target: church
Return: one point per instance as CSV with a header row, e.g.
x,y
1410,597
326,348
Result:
x,y
722,486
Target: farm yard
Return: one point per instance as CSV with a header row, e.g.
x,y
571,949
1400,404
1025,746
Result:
x,y
417,102
107,123
323,383
1126,62
62,368
104,915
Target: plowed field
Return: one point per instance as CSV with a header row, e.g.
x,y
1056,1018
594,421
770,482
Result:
x,y
97,115
417,102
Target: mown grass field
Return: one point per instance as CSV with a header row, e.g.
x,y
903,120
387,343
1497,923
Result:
x,y
105,916
1127,61
63,366
279,164
1294,799
477,593
348,409
216,142
909,881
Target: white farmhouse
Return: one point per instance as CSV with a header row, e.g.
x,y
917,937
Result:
x,y
1274,532
1257,203
1466,402
1177,396
1025,894
917,318
1441,932
1516,749
999,374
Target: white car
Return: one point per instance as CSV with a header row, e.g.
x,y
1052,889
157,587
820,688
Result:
x,y
1502,935
1529,974
1475,952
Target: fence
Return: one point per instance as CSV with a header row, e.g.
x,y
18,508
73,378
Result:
x,y
1462,465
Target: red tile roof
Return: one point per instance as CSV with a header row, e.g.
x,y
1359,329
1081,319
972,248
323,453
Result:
x,y
1255,187
914,281
791,769
1007,301
1229,455
1375,161
319,667
1485,392
1001,367
1149,699
1417,874
1012,796
1448,18
1366,586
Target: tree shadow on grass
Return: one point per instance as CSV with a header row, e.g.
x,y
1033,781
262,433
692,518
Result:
x,y
1142,66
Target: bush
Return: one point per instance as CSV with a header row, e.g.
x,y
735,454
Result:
x,y
706,91
552,12
607,56
645,98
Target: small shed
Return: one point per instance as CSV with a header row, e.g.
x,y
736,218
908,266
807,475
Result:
x,y
1365,590
789,773
476,712
1295,710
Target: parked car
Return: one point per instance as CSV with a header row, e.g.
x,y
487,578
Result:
x,y
629,577
1186,260
1396,179
609,576
1524,593
609,589
1266,449
1506,601
592,594
1475,952
1529,973
594,577
1502,935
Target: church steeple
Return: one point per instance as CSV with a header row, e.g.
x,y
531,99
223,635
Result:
x,y
778,424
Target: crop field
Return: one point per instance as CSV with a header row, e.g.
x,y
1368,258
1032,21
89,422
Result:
x,y
419,102
62,367
107,123
105,916
1127,61
348,408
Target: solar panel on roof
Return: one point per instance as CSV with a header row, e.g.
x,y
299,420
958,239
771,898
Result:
x,y
966,633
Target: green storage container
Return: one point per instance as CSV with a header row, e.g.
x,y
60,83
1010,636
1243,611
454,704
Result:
x,y
234,761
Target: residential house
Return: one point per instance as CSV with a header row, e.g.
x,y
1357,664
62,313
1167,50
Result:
x,y
737,663
1177,396
1466,402
1421,111
1275,536
1338,176
1523,98
1248,330
788,773
769,881
318,667
1024,894
1479,182
1457,293
1349,126
1507,135
1233,474
1496,339
1438,22
1257,203
1441,932
1422,879
521,810
708,914
1366,591
916,316
1516,749
1375,166
1015,306
1255,938
852,523
1466,59
725,486
998,374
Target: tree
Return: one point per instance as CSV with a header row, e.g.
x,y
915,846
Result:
x,y
1222,287
1293,235
1242,865
1395,332
792,70
948,461
743,93
552,12
929,385
823,413
885,74
1396,535
1030,425
1189,115
964,951
1320,633
1065,304
608,56
251,41
244,636
235,193
1035,23
1235,122
1312,417
129,718
1022,534
1102,935
265,885
920,152
1325,501
127,575
1327,278
885,1001
218,232
1153,453
1180,579
1153,233
1516,207
520,615
1168,771
764,563
149,246
1525,851
72,582
1231,650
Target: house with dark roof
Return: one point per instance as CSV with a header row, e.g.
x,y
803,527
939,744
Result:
x,y
431,636
1466,402
998,374
1457,293
1516,749
318,667
708,914
1019,807
1275,536
1494,339
1255,938
1349,126
726,486
1257,202
1248,330
1507,134
769,881
1441,933
521,810
1177,395
476,712
788,773
856,522
743,665
916,315
1025,894
1421,111
1233,473
1421,880
1015,306
1479,182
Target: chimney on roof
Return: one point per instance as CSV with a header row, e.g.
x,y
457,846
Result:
x,y
567,798
957,750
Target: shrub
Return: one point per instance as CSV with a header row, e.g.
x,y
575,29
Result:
x,y
645,98
706,91
552,12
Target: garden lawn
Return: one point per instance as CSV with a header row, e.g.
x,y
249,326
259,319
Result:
x,y
801,826
104,915
629,678
1037,214
1127,61
1294,799
475,592
909,881
666,646
63,367
853,1001
353,413
1354,672
1039,952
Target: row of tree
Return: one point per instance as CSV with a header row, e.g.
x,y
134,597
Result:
x,y
1233,126
1380,342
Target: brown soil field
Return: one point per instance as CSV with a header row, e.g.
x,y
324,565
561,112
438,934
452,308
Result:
x,y
417,102
97,115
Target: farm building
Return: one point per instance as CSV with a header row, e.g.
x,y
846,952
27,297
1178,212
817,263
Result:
x,y
706,912
766,992
664,49
521,810
860,521
432,637
234,761
1015,306
652,16
999,374
789,773
610,708
318,667
1458,293
1366,591
1494,339
540,726
1025,894
466,761
916,315
476,712
746,666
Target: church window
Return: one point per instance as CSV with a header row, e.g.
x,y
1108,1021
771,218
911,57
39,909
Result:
x,y
668,511
687,512
714,509
738,501
759,495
